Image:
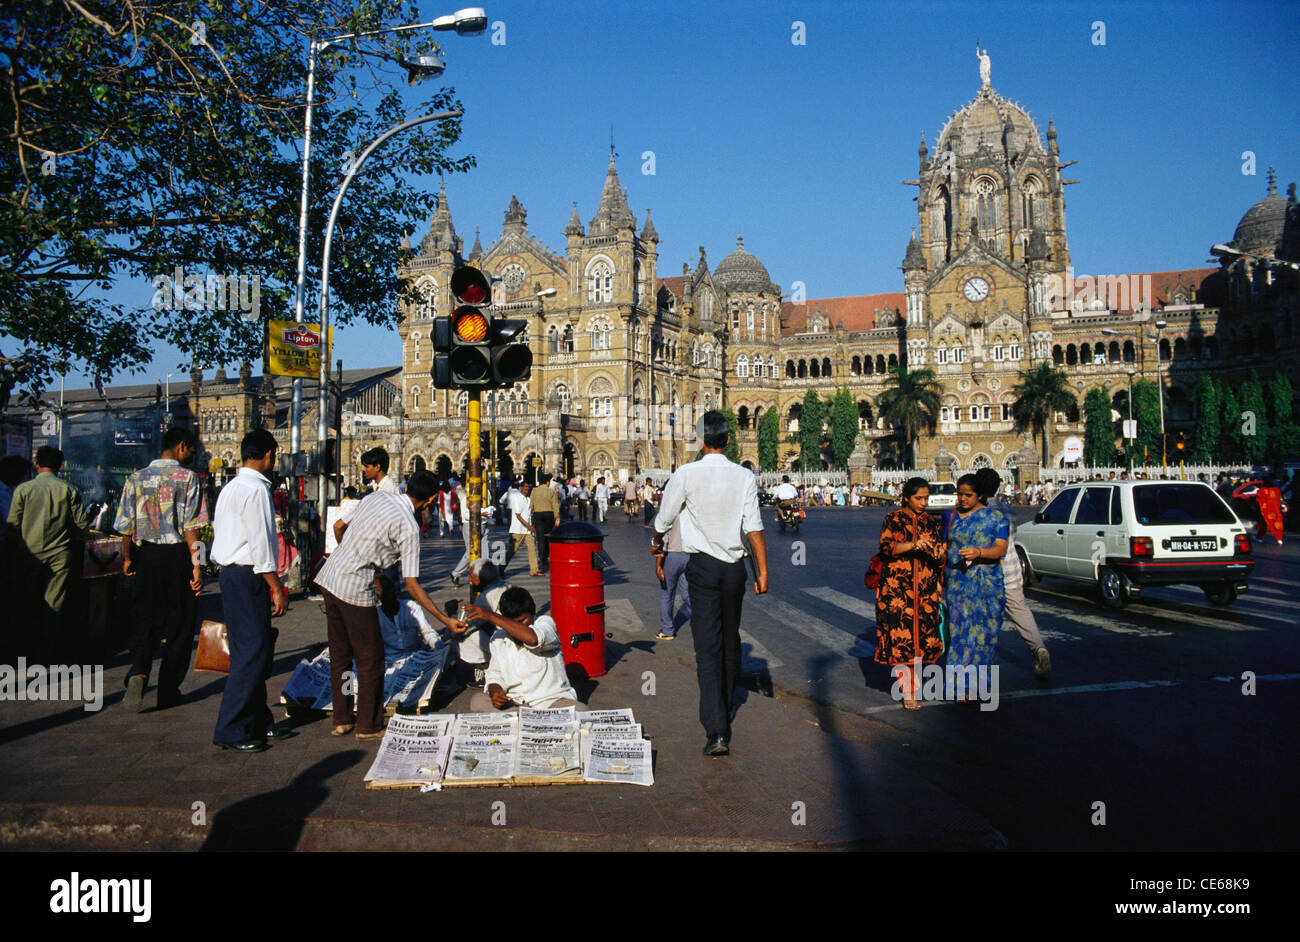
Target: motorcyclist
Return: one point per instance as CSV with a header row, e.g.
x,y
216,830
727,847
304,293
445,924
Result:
x,y
787,498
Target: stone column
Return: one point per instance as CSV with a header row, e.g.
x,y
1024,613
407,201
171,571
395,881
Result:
x,y
860,462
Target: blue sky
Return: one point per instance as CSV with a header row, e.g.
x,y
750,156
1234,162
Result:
x,y
801,148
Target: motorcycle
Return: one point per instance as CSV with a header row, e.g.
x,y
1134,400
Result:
x,y
789,515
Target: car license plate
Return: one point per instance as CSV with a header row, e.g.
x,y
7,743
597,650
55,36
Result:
x,y
1193,544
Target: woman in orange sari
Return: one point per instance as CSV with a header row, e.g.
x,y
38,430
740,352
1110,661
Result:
x,y
911,588
1270,510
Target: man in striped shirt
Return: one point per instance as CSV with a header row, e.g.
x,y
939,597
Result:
x,y
382,532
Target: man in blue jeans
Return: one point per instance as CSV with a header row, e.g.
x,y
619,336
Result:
x,y
671,570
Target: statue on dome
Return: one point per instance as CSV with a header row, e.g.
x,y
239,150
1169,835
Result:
x,y
985,66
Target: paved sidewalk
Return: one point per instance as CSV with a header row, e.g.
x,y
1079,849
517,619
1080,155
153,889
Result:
x,y
801,776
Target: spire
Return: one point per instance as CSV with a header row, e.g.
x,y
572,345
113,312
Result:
x,y
1272,182
442,234
1051,137
923,151
612,213
477,250
574,228
913,259
648,232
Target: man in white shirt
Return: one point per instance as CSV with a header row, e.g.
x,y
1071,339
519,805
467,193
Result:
x,y
244,545
602,499
521,527
527,667
374,468
718,503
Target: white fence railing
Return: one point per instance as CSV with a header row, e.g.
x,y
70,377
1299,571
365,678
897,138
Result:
x,y
1191,472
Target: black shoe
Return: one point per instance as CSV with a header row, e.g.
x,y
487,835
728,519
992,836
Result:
x,y
278,731
248,745
166,703
716,746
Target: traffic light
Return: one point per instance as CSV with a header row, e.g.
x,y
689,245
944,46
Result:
x,y
442,353
470,359
512,359
1179,446
503,449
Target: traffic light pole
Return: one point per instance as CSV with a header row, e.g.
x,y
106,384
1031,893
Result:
x,y
475,483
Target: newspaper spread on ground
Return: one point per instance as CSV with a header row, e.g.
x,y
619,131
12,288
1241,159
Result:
x,y
486,725
409,683
415,751
606,717
548,744
619,731
614,760
482,760
409,680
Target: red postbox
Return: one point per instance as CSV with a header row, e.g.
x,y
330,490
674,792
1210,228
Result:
x,y
578,596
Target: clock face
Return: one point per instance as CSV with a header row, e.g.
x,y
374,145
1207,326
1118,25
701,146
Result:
x,y
512,277
976,289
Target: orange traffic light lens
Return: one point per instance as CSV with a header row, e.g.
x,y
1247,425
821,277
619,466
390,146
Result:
x,y
471,326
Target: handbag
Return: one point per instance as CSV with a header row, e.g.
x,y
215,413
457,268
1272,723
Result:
x,y
875,568
214,649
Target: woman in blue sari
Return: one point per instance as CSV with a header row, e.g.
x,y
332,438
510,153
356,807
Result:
x,y
977,540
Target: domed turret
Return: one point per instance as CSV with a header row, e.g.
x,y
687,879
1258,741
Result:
x,y
741,271
1260,230
914,259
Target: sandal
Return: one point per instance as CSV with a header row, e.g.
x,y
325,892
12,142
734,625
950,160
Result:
x,y
663,637
376,735
911,705
342,730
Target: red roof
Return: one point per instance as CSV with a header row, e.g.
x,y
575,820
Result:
x,y
1205,286
858,312
675,284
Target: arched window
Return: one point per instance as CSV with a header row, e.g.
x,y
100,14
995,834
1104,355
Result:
x,y
562,394
1112,352
880,363
760,368
415,346
414,396
867,366
427,290
803,369
742,366
1071,355
984,211
792,417
826,366
1164,349
742,417
940,356
599,332
814,368
1032,202
1058,355
1180,347
864,415
600,282
553,339
462,403
1130,353
790,369
749,318
566,344
1085,354
855,366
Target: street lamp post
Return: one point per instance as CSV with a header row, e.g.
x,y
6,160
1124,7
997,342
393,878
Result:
x,y
1160,397
1130,442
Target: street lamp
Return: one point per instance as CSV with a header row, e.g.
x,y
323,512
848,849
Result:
x,y
1160,397
1130,442
466,22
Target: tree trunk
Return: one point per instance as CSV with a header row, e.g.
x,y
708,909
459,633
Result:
x,y
1047,443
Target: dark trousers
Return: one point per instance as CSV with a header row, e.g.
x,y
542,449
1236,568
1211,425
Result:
x,y
163,610
583,507
716,591
246,606
544,520
354,635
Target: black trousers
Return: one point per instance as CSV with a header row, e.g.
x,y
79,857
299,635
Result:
x,y
163,611
544,520
717,590
246,606
354,635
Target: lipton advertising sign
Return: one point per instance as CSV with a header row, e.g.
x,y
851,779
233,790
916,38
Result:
x,y
294,349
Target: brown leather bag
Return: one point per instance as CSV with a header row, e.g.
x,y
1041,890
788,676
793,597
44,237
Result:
x,y
214,649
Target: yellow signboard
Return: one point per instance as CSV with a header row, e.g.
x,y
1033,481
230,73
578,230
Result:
x,y
294,349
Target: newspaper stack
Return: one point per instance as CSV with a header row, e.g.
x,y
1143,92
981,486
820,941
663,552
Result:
x,y
549,747
613,749
483,748
414,752
409,680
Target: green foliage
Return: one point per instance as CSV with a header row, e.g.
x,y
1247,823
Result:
x,y
137,145
1205,439
1284,431
1042,392
732,451
811,422
1098,432
1254,421
769,440
1146,409
910,404
844,427
1230,443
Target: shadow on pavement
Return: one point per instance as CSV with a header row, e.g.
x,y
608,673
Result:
x,y
274,821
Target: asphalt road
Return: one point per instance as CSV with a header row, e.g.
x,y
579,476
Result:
x,y
1143,719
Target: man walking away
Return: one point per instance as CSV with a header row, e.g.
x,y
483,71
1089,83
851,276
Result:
x,y
671,570
159,519
602,499
544,508
1013,582
48,513
718,502
522,530
244,546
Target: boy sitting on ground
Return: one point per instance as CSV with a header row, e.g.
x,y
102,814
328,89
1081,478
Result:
x,y
526,667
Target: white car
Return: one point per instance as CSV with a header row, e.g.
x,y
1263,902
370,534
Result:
x,y
943,496
1125,535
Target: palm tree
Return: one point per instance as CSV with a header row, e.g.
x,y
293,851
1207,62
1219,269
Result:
x,y
1043,391
910,403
